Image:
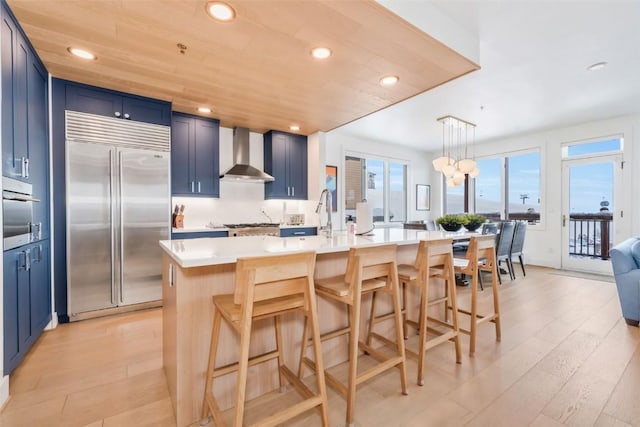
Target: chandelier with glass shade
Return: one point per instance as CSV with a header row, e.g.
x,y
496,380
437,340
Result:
x,y
457,137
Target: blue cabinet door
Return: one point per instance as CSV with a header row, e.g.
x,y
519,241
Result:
x,y
39,143
298,232
195,165
16,304
20,105
104,102
146,110
88,99
181,131
15,54
285,158
40,288
26,300
199,235
275,164
297,166
207,164
7,43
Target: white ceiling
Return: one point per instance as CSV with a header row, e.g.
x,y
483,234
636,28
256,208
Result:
x,y
533,58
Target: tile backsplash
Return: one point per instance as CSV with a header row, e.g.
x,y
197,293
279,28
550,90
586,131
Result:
x,y
200,211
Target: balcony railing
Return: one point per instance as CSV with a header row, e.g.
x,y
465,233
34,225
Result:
x,y
590,234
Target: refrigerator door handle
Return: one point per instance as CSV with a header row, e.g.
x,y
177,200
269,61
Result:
x,y
113,243
121,227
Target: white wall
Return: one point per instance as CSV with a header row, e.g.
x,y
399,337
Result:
x,y
543,244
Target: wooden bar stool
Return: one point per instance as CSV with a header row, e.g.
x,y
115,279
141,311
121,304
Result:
x,y
434,260
369,269
267,287
481,256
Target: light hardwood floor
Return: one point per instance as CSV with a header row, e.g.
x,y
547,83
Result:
x,y
566,358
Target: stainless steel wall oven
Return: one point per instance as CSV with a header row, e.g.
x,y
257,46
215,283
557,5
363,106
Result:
x,y
17,209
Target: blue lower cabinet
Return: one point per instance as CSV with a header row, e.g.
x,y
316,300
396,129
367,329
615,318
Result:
x,y
305,231
27,300
197,235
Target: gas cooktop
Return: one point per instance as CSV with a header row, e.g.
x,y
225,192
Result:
x,y
255,224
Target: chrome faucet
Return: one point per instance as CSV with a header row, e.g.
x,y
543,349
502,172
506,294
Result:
x,y
325,199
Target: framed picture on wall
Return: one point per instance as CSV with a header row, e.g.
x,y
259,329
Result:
x,y
332,185
423,197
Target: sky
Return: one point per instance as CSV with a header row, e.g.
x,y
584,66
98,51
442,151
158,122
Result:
x,y
590,183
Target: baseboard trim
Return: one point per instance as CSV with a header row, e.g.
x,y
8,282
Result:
x,y
53,323
4,391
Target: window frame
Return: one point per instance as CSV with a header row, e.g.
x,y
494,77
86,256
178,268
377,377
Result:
x,y
386,183
504,184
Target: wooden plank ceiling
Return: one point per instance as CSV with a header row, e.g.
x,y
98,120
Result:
x,y
255,72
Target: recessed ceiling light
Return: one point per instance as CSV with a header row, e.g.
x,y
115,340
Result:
x,y
321,52
81,53
221,11
204,109
294,127
389,80
597,66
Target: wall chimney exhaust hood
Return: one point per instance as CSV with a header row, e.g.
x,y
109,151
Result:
x,y
241,169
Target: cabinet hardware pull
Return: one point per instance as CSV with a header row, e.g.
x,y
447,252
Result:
x,y
293,191
198,186
288,191
27,260
193,186
127,116
298,233
117,114
170,275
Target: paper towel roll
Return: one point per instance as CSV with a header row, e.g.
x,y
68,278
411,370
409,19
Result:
x,y
364,217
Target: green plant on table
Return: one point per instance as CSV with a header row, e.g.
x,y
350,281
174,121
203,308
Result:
x,y
474,221
452,222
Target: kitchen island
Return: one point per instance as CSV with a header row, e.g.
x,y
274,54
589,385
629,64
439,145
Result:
x,y
196,269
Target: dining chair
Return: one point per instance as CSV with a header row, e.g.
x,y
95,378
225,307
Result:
x,y
504,239
518,245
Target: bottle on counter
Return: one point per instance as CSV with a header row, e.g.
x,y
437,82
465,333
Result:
x,y
351,226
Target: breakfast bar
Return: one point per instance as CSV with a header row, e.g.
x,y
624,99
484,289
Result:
x,y
196,269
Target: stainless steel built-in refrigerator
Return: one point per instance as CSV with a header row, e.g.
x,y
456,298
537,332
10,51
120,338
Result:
x,y
118,208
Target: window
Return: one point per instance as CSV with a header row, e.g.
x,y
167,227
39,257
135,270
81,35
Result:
x,y
489,188
454,199
511,185
523,178
612,145
382,182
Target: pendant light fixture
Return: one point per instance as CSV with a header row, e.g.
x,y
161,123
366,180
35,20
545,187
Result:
x,y
456,137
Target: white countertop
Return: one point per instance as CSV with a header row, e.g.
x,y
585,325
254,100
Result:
x,y
222,228
224,250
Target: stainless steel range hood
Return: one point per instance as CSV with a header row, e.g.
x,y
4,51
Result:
x,y
241,169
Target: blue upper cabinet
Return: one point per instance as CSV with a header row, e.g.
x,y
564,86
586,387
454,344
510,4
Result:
x,y
38,142
195,164
285,158
15,59
25,118
104,102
